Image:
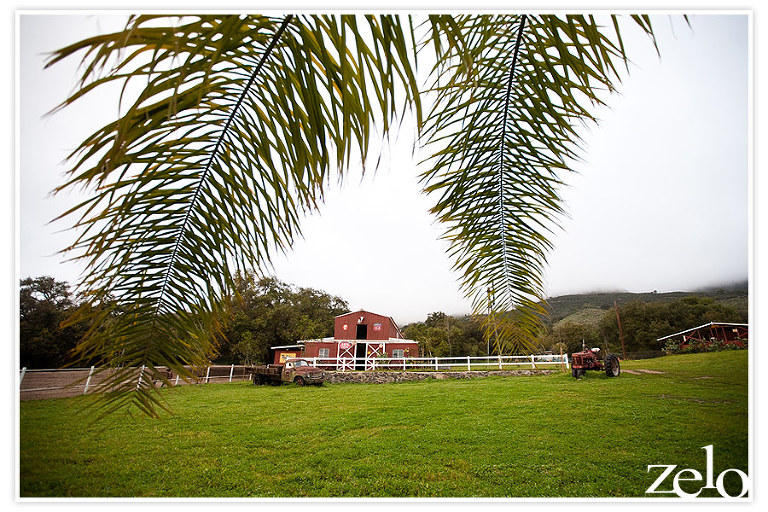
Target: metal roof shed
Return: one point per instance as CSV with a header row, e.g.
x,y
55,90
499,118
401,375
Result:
x,y
722,331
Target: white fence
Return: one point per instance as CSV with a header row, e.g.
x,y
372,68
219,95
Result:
x,y
75,381
465,363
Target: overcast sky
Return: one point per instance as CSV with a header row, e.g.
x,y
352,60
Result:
x,y
660,202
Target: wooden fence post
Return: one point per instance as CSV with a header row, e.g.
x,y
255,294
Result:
x,y
533,362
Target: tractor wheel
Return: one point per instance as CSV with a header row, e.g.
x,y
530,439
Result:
x,y
612,367
299,381
574,372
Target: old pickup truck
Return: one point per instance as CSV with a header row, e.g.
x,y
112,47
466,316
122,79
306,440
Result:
x,y
298,371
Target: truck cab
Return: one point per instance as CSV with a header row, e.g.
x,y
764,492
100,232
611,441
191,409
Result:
x,y
301,372
296,370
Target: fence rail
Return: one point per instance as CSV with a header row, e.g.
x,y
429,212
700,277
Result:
x,y
55,383
463,363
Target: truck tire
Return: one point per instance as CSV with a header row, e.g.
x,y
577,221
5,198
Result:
x,y
299,381
612,367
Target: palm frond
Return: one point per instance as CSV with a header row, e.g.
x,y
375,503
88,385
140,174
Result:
x,y
511,93
207,173
232,127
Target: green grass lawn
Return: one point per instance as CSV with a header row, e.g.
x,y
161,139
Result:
x,y
539,436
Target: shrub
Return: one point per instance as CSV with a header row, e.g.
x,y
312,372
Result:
x,y
711,345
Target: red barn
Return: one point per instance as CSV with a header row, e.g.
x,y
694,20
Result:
x,y
359,338
364,325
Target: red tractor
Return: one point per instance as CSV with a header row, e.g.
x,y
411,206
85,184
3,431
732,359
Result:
x,y
591,360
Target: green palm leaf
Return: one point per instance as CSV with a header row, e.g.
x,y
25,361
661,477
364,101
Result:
x,y
209,170
241,122
511,93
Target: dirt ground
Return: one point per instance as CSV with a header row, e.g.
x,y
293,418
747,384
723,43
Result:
x,y
639,371
41,384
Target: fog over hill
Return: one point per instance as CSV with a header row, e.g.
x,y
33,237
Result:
x,y
732,294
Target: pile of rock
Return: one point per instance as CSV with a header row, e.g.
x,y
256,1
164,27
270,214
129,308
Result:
x,y
381,377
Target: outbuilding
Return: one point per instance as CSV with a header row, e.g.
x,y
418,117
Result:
x,y
729,333
359,339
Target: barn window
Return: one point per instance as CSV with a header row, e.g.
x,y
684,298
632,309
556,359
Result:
x,y
324,352
398,353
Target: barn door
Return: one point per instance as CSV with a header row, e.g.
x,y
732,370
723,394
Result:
x,y
360,355
375,349
345,360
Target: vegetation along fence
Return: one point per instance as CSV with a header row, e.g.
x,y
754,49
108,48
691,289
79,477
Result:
x,y
57,383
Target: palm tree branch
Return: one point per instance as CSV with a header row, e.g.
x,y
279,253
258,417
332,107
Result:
x,y
215,152
210,167
503,147
527,133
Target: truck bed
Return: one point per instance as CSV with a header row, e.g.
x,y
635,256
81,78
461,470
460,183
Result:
x,y
268,369
265,373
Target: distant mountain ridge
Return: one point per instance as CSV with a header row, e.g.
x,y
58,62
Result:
x,y
585,304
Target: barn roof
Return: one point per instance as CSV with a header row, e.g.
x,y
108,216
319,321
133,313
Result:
x,y
363,311
334,340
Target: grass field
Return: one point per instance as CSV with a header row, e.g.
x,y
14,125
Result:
x,y
539,436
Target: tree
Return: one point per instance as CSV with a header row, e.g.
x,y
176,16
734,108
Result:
x,y
248,349
643,323
265,312
44,304
570,336
441,335
241,120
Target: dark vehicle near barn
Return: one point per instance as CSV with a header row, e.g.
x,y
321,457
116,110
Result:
x,y
592,360
298,371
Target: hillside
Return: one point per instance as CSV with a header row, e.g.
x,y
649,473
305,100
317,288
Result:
x,y
586,316
585,306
